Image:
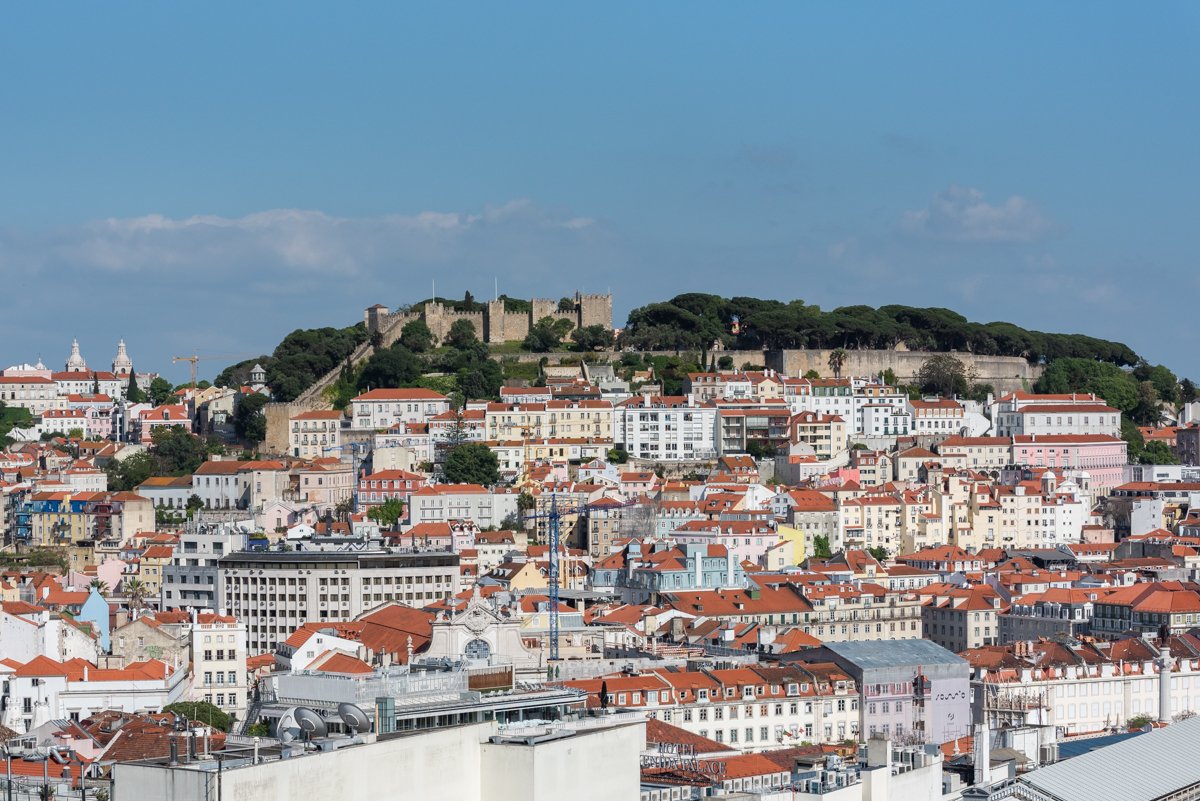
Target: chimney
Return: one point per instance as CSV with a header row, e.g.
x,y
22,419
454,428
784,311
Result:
x,y
729,568
983,755
1164,685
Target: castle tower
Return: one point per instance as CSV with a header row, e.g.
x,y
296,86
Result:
x,y
122,364
75,362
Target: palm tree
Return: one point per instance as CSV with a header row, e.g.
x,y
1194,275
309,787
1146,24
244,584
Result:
x,y
836,361
136,591
98,585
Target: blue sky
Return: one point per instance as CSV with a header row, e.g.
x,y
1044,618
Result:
x,y
210,176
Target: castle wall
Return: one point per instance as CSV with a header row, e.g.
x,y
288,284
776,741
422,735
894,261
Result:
x,y
506,326
1005,373
494,325
440,318
278,415
594,310
543,308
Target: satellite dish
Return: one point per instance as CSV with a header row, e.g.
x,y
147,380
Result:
x,y
355,719
287,729
310,722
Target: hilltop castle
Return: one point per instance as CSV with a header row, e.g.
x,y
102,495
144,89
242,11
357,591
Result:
x,y
493,324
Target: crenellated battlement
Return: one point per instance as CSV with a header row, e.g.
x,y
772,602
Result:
x,y
494,324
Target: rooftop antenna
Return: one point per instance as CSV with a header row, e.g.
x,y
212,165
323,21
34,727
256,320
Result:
x,y
496,291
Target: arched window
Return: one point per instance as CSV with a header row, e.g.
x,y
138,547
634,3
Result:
x,y
478,649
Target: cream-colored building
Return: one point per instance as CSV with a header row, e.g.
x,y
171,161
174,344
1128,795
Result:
x,y
977,453
219,651
315,432
516,421
824,434
588,419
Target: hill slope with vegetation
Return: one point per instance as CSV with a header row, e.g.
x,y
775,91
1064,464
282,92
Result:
x,y
694,321
690,323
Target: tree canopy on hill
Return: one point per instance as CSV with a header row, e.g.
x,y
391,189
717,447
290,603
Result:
x,y
174,451
299,360
695,320
1138,393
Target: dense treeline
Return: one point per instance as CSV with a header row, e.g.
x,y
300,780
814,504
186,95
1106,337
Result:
x,y
461,367
1141,394
300,359
695,320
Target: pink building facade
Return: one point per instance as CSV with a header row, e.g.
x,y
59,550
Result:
x,y
1102,457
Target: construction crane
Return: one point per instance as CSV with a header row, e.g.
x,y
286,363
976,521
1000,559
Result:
x,y
193,359
554,518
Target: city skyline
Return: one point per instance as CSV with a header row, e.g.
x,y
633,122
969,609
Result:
x,y
236,183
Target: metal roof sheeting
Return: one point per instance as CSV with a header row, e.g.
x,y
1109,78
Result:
x,y
1142,768
895,653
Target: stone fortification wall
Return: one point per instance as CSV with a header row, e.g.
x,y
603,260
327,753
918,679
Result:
x,y
1005,373
277,415
493,324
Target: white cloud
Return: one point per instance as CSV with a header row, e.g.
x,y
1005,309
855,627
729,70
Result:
x,y
961,214
299,242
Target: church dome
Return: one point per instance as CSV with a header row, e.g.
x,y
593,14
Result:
x,y
122,364
75,362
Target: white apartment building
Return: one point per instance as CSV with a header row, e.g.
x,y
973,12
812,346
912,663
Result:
x,y
275,593
219,674
1076,413
1088,686
315,432
384,408
750,708
936,416
884,420
45,689
442,503
35,393
1059,419
827,396
820,435
666,428
222,484
77,382
1040,515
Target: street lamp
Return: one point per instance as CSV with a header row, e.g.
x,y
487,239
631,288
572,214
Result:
x,y
8,755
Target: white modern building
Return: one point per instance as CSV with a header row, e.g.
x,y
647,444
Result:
x,y
380,409
666,428
275,592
